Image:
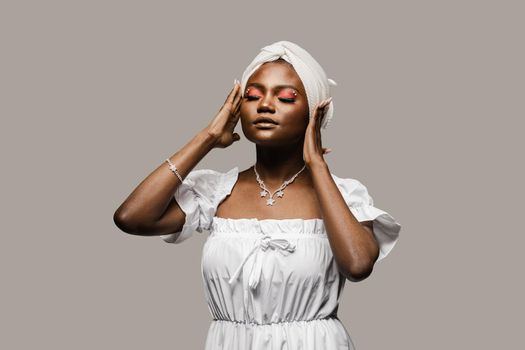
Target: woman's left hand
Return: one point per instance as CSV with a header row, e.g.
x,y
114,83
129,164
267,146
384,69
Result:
x,y
313,150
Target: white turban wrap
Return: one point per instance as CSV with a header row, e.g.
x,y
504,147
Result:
x,y
315,81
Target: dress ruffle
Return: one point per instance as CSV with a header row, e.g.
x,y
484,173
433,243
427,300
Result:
x,y
386,229
268,226
202,191
199,196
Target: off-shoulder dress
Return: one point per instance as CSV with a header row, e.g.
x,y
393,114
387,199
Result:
x,y
271,283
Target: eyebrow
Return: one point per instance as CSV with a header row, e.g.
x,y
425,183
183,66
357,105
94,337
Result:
x,y
277,86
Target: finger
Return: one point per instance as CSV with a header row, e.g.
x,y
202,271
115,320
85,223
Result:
x,y
323,116
236,108
323,107
324,104
318,131
235,91
311,122
310,128
321,104
231,95
313,125
320,108
319,113
238,98
236,112
318,126
328,101
317,109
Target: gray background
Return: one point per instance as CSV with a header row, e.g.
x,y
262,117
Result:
x,y
96,94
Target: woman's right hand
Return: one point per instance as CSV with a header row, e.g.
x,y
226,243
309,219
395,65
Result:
x,y
222,126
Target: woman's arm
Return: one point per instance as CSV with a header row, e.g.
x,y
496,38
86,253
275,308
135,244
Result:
x,y
151,208
143,210
353,244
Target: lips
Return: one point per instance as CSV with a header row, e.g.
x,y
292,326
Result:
x,y
264,120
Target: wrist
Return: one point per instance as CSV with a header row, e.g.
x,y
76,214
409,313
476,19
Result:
x,y
317,165
207,138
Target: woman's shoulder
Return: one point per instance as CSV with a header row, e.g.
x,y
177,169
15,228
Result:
x,y
353,190
211,182
206,174
346,182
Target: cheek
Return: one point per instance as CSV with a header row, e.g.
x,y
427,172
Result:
x,y
244,111
244,118
298,116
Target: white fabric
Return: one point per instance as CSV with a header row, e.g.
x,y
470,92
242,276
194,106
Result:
x,y
272,284
313,76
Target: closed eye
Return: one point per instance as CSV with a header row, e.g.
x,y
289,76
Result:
x,y
286,100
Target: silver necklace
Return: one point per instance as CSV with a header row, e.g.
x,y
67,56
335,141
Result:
x,y
279,191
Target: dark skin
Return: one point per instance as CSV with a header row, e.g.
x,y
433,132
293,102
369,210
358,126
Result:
x,y
281,151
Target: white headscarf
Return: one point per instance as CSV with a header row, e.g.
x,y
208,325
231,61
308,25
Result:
x,y
315,81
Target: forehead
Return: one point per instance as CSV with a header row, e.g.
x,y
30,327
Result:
x,y
272,73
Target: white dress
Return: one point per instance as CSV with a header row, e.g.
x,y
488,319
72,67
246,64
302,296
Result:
x,y
273,283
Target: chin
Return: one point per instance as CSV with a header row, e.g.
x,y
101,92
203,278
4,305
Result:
x,y
269,139
263,140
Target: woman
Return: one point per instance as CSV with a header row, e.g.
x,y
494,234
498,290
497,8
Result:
x,y
285,233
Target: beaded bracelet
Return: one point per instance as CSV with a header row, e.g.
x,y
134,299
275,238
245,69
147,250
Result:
x,y
174,169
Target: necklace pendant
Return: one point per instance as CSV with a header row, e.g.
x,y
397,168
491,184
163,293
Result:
x,y
280,192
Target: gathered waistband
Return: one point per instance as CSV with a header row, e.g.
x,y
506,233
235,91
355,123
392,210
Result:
x,y
318,333
331,317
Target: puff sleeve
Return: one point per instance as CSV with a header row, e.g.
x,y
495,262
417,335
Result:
x,y
199,196
386,229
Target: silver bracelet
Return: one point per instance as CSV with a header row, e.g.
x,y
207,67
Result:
x,y
174,169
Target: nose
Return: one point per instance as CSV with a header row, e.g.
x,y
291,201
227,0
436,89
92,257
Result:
x,y
266,104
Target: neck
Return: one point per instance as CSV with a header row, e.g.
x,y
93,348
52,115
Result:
x,y
278,164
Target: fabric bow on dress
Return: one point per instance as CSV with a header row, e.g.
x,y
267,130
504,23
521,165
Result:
x,y
264,243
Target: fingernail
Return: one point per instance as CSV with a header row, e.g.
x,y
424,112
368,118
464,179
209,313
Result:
x,y
328,150
328,100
